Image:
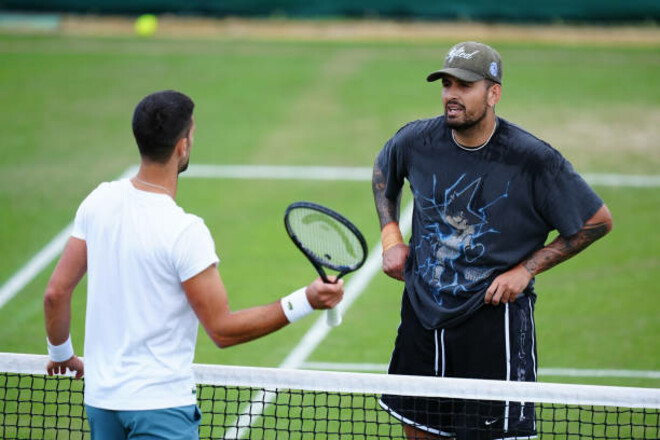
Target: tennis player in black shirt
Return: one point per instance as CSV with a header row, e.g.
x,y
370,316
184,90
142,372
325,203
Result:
x,y
486,195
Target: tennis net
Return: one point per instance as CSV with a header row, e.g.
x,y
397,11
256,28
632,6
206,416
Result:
x,y
266,403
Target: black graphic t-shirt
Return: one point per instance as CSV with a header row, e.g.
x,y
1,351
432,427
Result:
x,y
477,212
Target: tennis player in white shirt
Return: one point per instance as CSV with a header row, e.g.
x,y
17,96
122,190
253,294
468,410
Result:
x,y
151,278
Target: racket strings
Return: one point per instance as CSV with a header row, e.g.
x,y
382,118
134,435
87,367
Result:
x,y
331,242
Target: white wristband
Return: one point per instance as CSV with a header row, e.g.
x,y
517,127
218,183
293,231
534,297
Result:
x,y
62,352
296,305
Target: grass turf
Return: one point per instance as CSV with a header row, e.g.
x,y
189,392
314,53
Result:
x,y
66,127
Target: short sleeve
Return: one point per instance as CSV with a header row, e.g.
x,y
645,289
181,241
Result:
x,y
194,251
392,163
569,200
80,221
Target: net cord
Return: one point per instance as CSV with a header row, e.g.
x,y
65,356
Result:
x,y
369,383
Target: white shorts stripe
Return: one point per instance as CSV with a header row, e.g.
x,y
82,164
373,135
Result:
x,y
444,360
507,343
531,317
435,340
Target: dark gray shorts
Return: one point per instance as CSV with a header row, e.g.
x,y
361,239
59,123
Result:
x,y
497,342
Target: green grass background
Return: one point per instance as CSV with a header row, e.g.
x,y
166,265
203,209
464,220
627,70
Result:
x,y
65,124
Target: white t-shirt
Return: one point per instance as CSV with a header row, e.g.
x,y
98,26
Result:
x,y
140,329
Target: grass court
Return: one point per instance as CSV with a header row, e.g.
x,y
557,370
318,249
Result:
x,y
67,106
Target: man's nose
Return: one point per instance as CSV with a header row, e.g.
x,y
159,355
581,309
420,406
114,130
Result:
x,y
449,92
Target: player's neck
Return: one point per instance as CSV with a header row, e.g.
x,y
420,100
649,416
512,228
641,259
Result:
x,y
478,135
156,178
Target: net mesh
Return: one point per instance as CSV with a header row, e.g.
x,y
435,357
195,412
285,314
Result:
x,y
257,403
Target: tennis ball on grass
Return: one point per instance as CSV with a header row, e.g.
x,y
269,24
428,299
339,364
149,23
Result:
x,y
146,25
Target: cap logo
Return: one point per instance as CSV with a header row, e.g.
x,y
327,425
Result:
x,y
459,53
493,69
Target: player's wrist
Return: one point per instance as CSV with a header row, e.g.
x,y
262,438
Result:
x,y
296,305
390,236
62,352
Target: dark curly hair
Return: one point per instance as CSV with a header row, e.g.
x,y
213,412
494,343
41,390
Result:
x,y
160,120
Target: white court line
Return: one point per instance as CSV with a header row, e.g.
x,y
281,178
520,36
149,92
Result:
x,y
278,172
42,259
627,180
559,372
586,372
364,174
34,267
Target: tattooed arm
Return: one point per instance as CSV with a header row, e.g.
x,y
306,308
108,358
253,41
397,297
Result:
x,y
388,210
562,249
507,286
394,257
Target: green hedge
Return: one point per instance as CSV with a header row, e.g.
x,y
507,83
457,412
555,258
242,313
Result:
x,y
480,10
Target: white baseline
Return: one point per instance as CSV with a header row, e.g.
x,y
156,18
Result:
x,y
286,172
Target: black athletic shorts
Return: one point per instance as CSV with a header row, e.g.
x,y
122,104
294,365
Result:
x,y
497,342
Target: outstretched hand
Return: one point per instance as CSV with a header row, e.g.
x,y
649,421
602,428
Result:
x,y
323,295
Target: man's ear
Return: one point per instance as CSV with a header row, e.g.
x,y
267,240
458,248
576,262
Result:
x,y
494,94
181,146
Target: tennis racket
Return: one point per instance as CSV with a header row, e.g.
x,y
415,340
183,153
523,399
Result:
x,y
328,240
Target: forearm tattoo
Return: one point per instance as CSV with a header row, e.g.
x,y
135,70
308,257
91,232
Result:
x,y
561,249
388,210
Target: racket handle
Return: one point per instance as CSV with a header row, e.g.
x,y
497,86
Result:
x,y
333,317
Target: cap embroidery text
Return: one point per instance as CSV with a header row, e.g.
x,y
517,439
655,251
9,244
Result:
x,y
460,53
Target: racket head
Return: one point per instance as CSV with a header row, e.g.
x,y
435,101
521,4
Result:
x,y
327,238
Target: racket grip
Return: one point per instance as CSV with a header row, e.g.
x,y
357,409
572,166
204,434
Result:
x,y
333,317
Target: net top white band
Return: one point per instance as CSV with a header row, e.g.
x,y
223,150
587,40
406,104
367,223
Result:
x,y
366,383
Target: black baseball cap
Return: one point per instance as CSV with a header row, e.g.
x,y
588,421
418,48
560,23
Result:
x,y
470,61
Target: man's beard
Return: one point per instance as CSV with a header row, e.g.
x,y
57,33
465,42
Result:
x,y
467,123
184,166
